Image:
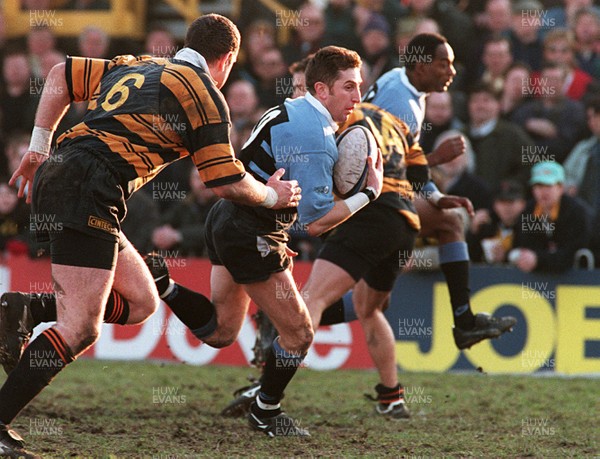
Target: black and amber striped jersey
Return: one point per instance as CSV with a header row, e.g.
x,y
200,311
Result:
x,y
404,163
144,113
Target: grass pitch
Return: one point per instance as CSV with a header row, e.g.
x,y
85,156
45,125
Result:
x,y
128,410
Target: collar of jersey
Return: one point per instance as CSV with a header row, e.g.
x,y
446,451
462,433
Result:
x,y
406,82
193,57
321,109
485,129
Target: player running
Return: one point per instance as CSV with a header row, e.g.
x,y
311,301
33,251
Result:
x,y
402,92
247,247
144,114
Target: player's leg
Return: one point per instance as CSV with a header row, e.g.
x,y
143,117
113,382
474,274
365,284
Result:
x,y
318,295
231,305
132,299
370,305
326,286
291,318
82,282
448,227
371,298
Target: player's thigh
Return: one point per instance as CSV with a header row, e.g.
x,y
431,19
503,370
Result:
x,y
230,301
82,273
279,298
432,218
81,295
134,282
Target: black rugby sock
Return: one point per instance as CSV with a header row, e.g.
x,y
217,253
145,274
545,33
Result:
x,y
280,368
334,314
42,360
342,311
193,309
457,278
454,262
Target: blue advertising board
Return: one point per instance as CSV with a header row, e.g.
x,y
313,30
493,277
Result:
x,y
558,328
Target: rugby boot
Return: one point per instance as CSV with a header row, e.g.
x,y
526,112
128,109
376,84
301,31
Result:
x,y
12,445
16,327
280,425
244,397
390,402
486,327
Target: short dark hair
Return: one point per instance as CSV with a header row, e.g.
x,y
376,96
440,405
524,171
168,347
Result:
x,y
593,104
480,87
13,49
498,39
423,45
300,66
212,35
327,63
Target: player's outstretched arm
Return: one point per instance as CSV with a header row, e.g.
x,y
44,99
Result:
x,y
53,104
277,194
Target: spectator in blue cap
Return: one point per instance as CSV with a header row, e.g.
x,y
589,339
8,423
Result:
x,y
552,227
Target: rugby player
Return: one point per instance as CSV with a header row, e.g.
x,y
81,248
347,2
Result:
x,y
247,246
402,92
122,142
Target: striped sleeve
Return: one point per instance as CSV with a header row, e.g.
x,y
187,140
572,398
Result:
x,y
215,159
83,76
191,96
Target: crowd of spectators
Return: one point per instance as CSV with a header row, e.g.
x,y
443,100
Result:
x,y
527,91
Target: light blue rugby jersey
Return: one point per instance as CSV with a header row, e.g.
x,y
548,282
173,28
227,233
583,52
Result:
x,y
299,136
395,94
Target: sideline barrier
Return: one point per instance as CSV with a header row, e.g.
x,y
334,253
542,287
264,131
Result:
x,y
558,329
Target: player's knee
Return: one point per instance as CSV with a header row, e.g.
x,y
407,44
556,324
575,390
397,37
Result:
x,y
143,307
87,336
454,221
300,338
308,336
221,338
364,310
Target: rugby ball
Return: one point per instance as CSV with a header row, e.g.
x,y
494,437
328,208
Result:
x,y
354,146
